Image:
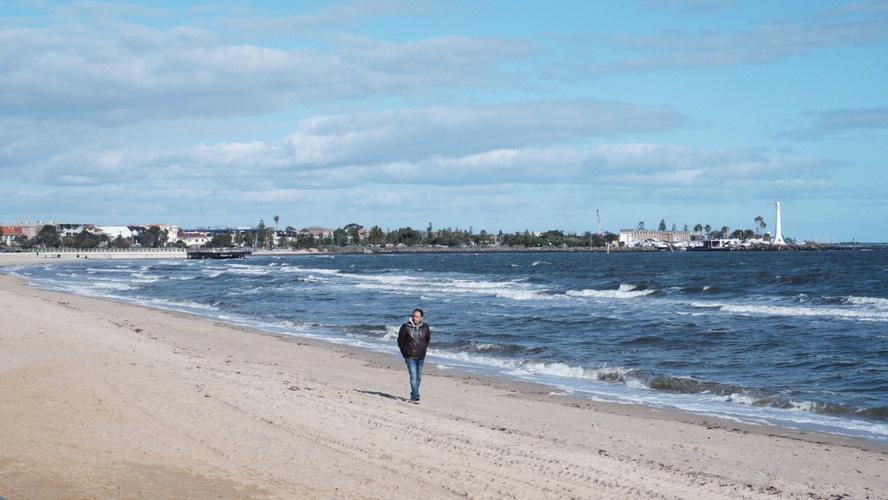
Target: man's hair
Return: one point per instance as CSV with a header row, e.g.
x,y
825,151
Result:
x,y
419,311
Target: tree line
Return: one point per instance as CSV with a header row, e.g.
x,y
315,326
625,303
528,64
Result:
x,y
49,237
724,232
355,235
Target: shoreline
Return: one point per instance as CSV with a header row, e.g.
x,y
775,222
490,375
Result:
x,y
465,368
490,374
844,425
529,388
638,450
171,253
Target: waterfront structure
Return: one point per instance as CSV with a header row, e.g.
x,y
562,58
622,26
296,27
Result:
x,y
632,237
778,229
219,253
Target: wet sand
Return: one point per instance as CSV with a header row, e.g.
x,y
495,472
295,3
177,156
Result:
x,y
102,399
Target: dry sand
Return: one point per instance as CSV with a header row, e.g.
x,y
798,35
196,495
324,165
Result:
x,y
101,399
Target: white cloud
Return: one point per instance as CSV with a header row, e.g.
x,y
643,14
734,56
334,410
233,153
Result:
x,y
839,122
255,21
707,49
102,112
81,73
540,143
420,133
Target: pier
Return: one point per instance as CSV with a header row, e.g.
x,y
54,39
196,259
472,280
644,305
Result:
x,y
219,253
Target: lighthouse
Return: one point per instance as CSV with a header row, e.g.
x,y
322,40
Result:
x,y
778,229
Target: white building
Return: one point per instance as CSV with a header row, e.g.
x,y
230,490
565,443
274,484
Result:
x,y
632,237
317,232
72,230
114,231
193,238
778,229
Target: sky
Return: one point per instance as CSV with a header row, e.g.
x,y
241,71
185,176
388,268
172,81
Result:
x,y
496,115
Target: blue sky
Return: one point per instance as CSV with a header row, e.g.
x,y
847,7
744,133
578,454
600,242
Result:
x,y
491,114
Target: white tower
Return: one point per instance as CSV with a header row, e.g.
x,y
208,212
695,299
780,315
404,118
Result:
x,y
778,229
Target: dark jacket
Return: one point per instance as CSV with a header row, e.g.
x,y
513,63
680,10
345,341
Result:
x,y
414,340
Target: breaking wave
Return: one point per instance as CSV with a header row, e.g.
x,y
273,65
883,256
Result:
x,y
800,311
554,321
867,301
623,292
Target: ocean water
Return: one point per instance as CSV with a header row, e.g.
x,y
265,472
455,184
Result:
x,y
795,339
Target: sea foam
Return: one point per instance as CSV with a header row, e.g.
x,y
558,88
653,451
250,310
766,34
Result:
x,y
801,311
625,291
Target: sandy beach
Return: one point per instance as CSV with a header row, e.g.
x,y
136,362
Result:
x,y
102,399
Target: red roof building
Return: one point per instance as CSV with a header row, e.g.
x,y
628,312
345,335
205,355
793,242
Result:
x,y
10,233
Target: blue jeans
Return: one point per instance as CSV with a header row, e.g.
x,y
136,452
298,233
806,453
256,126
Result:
x,y
414,366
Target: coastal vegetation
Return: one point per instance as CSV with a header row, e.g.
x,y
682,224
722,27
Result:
x,y
357,235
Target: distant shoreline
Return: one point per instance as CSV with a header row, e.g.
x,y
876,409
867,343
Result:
x,y
175,253
488,249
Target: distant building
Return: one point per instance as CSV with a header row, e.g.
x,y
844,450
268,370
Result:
x,y
164,228
279,237
212,231
10,234
631,237
66,230
114,231
317,232
193,238
31,230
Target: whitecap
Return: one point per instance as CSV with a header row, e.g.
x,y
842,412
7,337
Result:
x,y
175,304
623,292
391,332
298,269
867,301
822,312
248,271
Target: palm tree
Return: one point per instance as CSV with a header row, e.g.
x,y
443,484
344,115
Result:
x,y
277,218
759,223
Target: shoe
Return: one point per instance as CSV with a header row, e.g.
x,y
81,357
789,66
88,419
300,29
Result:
x,y
414,401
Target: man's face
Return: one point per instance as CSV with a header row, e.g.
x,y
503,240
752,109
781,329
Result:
x,y
417,318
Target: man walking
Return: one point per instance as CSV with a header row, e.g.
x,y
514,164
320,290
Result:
x,y
413,340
